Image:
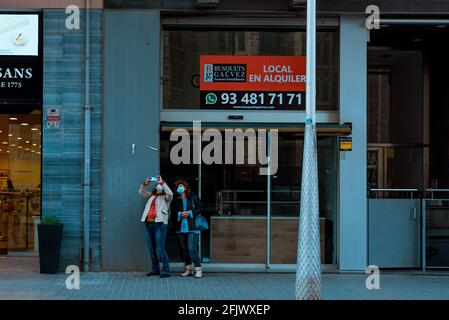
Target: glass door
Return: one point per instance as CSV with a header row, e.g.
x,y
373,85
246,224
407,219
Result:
x,y
171,173
250,221
285,198
235,203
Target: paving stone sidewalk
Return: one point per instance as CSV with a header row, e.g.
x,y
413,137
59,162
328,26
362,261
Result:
x,y
215,286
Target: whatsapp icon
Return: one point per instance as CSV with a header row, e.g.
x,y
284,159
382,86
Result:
x,y
211,98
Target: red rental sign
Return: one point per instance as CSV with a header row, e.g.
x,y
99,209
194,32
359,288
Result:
x,y
252,82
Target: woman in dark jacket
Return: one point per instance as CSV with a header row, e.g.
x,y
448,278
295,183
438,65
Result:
x,y
184,210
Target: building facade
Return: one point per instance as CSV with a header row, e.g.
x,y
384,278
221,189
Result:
x,y
382,201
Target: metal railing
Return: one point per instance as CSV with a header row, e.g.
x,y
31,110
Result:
x,y
388,191
432,200
230,198
431,191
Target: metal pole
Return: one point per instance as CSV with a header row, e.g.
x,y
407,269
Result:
x,y
423,235
200,184
269,201
311,61
308,267
27,214
434,22
87,110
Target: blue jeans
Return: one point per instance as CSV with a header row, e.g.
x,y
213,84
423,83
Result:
x,y
155,234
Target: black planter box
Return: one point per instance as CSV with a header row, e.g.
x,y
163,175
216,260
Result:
x,y
50,236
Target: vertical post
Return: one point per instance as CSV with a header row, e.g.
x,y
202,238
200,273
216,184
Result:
x,y
86,183
27,219
308,267
269,201
423,234
200,160
311,61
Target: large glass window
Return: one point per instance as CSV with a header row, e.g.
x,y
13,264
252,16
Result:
x,y
183,48
20,181
285,198
235,203
396,154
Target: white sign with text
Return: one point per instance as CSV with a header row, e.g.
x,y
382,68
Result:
x,y
19,34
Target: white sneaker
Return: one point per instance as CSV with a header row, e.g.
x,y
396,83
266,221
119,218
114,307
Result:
x,y
198,272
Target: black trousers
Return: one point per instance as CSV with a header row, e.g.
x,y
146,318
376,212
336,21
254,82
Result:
x,y
189,248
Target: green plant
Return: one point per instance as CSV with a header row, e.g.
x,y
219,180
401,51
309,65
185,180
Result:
x,y
50,219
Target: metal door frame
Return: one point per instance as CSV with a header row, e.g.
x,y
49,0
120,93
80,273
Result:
x,y
276,267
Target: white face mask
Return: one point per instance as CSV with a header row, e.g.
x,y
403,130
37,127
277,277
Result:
x,y
159,188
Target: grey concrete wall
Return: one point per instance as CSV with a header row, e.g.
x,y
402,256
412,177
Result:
x,y
131,116
63,148
352,173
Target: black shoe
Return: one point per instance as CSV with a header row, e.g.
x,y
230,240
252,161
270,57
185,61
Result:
x,y
149,274
165,275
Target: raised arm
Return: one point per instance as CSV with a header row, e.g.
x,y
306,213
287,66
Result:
x,y
143,189
168,192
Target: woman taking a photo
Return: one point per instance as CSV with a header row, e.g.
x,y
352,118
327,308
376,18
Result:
x,y
184,211
155,216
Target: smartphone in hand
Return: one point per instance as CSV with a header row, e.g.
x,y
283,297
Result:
x,y
150,179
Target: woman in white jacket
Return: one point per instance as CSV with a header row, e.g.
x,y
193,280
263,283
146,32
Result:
x,y
155,217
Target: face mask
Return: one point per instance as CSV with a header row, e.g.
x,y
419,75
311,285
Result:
x,y
180,189
159,188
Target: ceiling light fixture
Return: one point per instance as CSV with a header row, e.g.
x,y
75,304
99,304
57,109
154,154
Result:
x,y
207,4
13,118
295,5
34,129
24,124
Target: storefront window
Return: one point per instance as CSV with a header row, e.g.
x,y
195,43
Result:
x,y
235,203
183,48
286,195
20,181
